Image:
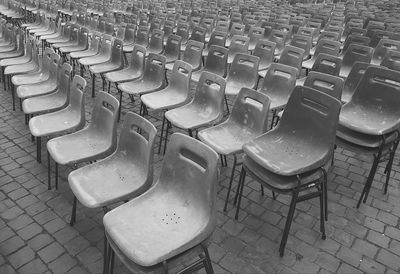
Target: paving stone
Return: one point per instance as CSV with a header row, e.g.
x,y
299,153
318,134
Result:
x,y
347,269
65,234
327,261
11,245
378,239
21,257
54,225
8,269
29,231
371,267
11,213
388,259
365,248
51,252
6,233
89,255
40,241
35,266
349,256
62,264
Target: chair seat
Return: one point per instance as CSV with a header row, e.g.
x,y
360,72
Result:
x,y
29,79
301,81
232,88
344,71
70,49
167,98
11,54
93,60
15,61
26,91
363,119
22,68
86,145
361,139
286,154
60,122
57,40
163,225
51,36
128,48
122,75
121,179
46,32
9,48
191,116
104,67
45,103
139,87
227,138
278,182
83,54
308,64
66,44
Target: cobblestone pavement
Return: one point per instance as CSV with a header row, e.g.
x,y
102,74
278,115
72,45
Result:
x,y
35,236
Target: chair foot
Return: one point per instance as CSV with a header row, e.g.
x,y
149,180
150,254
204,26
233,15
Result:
x,y
230,181
73,213
48,171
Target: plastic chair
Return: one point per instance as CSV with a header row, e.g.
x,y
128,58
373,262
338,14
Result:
x,y
391,60
217,38
216,63
127,173
129,38
323,46
255,34
238,44
156,43
248,120
355,39
382,48
303,42
43,87
279,38
305,139
353,54
326,83
328,64
292,56
206,108
133,71
93,142
265,50
82,43
66,120
18,51
73,38
176,94
192,55
193,214
370,121
142,36
153,78
242,73
172,50
236,29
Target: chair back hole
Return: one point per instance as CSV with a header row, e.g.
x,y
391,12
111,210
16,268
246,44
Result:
x,y
246,63
386,81
134,129
282,73
193,159
323,84
328,63
108,106
193,47
183,70
218,53
254,103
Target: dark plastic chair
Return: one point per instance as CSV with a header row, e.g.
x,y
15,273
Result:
x,y
153,78
133,71
326,83
127,173
353,54
292,56
142,36
369,122
217,38
176,94
328,64
172,50
188,217
242,73
66,120
265,50
382,48
206,108
303,42
323,46
248,120
216,63
82,44
95,141
305,139
355,39
156,43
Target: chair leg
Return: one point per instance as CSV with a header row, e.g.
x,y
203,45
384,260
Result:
x,y
120,105
389,165
230,181
162,133
365,191
93,84
73,214
166,135
262,190
240,191
226,104
208,260
56,169
289,220
39,149
322,210
48,171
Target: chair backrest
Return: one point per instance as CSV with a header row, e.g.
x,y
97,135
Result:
x,y
83,36
54,66
391,60
329,84
328,64
154,70
136,142
379,90
279,83
356,53
217,38
222,26
306,31
265,50
183,31
327,46
217,60
64,80
355,39
142,36
383,47
303,42
95,42
210,93
117,54
180,77
189,171
109,28
255,34
250,110
105,116
356,73
157,40
313,116
173,46
77,98
244,70
193,53
334,36
292,56
236,29
278,37
47,57
106,45
239,44
382,34
198,34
